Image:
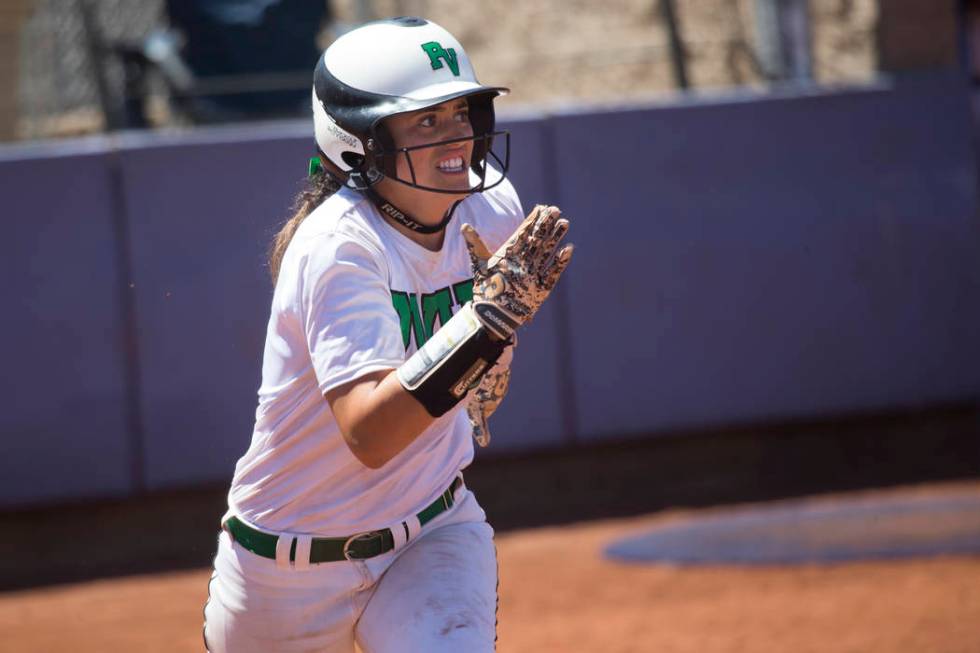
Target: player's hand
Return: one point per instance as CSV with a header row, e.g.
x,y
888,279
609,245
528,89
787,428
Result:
x,y
510,285
485,398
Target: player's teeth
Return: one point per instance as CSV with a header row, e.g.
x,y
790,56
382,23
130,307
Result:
x,y
451,164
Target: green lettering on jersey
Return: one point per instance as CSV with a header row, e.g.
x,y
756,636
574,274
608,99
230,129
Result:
x,y
407,308
438,54
463,291
438,304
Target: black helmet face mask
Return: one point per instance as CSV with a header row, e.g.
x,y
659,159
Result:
x,y
478,168
489,147
414,65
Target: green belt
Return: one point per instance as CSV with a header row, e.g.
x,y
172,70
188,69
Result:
x,y
334,549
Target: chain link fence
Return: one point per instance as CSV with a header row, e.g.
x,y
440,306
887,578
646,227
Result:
x,y
550,52
58,91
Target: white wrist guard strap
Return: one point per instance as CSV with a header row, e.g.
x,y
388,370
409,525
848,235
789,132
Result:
x,y
451,362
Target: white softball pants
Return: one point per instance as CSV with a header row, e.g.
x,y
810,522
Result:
x,y
436,593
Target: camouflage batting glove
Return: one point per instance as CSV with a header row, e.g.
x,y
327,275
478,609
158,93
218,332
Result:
x,y
485,398
510,285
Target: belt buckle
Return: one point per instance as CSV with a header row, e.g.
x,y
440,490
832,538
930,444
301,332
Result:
x,y
354,538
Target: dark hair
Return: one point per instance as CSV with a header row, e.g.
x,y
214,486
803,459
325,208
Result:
x,y
319,187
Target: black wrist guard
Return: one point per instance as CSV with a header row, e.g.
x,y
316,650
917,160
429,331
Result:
x,y
451,362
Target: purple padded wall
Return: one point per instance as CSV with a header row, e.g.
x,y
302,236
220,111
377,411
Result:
x,y
63,427
535,412
743,260
772,258
202,210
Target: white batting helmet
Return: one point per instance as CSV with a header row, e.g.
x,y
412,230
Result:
x,y
389,67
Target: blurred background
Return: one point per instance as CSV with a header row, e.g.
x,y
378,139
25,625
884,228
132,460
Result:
x,y
776,291
78,67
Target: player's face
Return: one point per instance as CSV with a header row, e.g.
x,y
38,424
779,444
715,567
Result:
x,y
444,166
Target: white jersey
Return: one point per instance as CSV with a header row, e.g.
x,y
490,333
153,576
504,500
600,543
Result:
x,y
354,296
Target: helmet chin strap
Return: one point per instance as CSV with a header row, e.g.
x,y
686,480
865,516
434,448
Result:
x,y
405,219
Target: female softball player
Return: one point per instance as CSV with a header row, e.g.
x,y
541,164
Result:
x,y
348,519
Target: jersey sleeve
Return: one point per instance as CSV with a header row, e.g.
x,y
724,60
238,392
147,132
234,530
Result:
x,y
350,324
504,214
508,204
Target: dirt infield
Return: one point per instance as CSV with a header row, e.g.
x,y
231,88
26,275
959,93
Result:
x,y
559,594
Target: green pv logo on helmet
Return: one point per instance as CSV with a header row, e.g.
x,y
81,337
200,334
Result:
x,y
438,54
